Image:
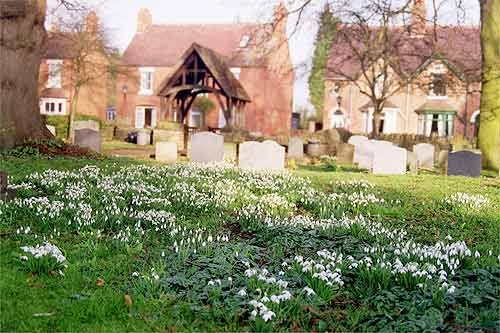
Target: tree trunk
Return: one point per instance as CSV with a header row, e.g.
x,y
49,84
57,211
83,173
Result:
x,y
22,37
72,115
489,133
377,116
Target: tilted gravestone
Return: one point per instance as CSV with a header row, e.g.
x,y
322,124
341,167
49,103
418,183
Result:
x,y
166,152
88,138
464,163
345,153
425,155
296,148
206,147
267,155
389,160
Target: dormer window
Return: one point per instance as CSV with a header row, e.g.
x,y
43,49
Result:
x,y
55,73
147,76
438,85
244,41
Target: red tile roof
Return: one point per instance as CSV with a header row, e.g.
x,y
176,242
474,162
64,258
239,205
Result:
x,y
459,46
163,45
54,93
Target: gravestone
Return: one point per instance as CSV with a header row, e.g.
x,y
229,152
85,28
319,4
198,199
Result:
x,y
5,193
52,129
314,148
166,152
267,155
356,140
464,163
389,160
88,138
442,159
382,143
86,124
206,147
412,162
143,137
363,153
345,153
425,155
296,148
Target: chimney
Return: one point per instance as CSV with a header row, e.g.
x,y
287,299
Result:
x,y
92,23
280,18
144,20
418,20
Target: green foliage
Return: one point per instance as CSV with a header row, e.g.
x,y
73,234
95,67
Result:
x,y
329,162
61,123
204,104
328,24
87,117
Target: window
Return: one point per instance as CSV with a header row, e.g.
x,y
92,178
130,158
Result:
x,y
438,85
146,81
145,117
55,73
338,119
53,106
196,118
436,124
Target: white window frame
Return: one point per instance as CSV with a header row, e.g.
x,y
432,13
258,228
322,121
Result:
x,y
140,116
54,79
437,69
144,90
390,116
58,102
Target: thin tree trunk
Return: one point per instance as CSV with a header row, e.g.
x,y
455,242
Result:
x,y
72,115
489,133
377,116
22,38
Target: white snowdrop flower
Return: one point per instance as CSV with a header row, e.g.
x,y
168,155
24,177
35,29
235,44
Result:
x,y
24,258
155,276
211,283
264,299
451,290
135,274
477,254
163,253
218,281
242,292
448,237
230,279
309,291
268,315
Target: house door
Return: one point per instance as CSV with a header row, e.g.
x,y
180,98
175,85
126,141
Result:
x,y
145,117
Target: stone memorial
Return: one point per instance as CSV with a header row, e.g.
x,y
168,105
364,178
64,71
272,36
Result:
x,y
357,140
143,137
345,153
296,148
425,155
267,155
52,129
88,138
206,147
86,124
389,160
314,148
166,152
412,162
363,155
442,159
464,163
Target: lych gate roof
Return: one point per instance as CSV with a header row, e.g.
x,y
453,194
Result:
x,y
215,65
459,46
163,45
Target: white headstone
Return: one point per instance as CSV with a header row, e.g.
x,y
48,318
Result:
x,y
166,152
52,129
425,155
389,160
206,147
357,140
86,124
143,137
363,154
296,148
267,155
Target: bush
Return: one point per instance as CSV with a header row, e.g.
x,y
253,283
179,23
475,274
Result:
x,y
329,162
61,123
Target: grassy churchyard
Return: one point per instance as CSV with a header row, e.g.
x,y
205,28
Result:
x,y
115,244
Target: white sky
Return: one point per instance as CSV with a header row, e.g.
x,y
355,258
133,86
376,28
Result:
x,y
120,18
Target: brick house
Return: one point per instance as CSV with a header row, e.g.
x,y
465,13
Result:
x,y
257,55
57,75
439,89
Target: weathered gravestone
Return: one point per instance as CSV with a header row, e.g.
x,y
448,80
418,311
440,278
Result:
x,y
425,155
52,129
86,124
357,140
412,162
363,153
296,148
464,163
267,155
389,160
88,138
206,147
345,153
442,159
143,137
5,193
166,152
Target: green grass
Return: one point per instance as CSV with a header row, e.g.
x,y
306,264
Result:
x,y
181,300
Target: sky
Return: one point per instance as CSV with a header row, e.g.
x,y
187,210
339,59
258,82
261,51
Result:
x,y
120,18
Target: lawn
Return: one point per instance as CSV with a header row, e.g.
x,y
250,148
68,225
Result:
x,y
145,247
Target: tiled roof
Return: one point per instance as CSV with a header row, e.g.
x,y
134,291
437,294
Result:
x,y
58,46
436,105
163,45
459,46
387,104
54,93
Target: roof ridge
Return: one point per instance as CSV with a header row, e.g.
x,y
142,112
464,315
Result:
x,y
203,23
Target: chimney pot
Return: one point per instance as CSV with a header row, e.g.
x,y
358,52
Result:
x,y
144,20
